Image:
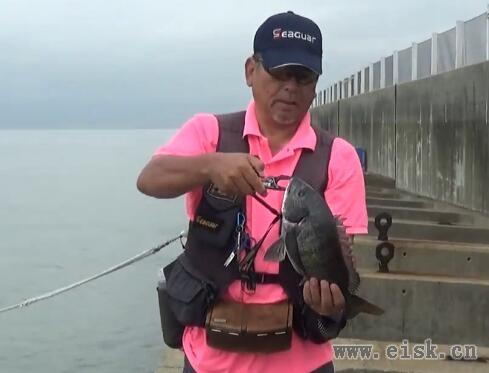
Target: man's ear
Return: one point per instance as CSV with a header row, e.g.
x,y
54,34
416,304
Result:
x,y
250,66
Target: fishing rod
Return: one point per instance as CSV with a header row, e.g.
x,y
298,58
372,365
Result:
x,y
117,267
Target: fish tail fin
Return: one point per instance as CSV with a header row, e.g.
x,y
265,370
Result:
x,y
276,252
358,305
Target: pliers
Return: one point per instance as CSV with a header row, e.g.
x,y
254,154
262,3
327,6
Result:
x,y
272,182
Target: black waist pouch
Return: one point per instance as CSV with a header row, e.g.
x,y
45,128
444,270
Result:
x,y
215,218
184,299
170,326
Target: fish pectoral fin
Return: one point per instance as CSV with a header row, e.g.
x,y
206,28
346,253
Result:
x,y
292,250
276,252
356,305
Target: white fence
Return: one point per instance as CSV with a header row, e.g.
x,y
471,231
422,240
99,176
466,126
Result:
x,y
465,44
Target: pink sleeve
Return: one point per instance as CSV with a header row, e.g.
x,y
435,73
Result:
x,y
197,136
345,193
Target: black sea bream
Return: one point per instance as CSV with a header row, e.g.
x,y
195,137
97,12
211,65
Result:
x,y
309,238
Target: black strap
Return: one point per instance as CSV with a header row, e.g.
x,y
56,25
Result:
x,y
247,264
266,278
311,162
265,204
231,128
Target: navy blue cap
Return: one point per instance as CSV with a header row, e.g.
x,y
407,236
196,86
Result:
x,y
289,39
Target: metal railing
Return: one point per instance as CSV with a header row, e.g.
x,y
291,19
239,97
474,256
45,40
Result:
x,y
465,44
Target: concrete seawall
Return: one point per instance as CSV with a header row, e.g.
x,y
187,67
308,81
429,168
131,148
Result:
x,y
430,135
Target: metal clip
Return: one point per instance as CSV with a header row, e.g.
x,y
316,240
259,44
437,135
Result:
x,y
240,222
230,258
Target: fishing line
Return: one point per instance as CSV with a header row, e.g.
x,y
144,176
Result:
x,y
117,267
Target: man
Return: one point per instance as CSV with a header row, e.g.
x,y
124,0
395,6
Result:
x,y
282,74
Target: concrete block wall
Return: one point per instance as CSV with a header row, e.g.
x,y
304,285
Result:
x,y
368,121
443,137
326,117
430,135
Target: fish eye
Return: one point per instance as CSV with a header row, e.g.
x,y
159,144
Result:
x,y
301,193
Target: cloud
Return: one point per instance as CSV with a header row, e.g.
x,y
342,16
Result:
x,y
154,63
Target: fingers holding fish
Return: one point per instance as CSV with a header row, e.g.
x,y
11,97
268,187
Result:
x,y
308,299
327,302
337,298
323,297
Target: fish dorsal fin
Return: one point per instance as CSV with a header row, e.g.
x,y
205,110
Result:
x,y
346,252
353,281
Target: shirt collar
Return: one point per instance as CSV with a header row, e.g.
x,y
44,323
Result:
x,y
304,137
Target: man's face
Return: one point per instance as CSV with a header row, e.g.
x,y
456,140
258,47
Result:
x,y
282,95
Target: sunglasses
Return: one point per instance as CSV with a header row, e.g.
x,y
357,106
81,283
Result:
x,y
302,75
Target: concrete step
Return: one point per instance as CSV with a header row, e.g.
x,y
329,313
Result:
x,y
394,202
379,181
427,258
393,194
410,213
447,310
421,230
379,189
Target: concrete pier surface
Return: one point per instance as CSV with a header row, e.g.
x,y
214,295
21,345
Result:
x,y
171,360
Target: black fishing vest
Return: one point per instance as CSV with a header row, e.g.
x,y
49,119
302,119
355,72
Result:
x,y
210,239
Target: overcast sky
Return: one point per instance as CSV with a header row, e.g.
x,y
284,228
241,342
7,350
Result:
x,y
154,63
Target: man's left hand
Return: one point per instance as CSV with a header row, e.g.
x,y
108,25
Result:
x,y
323,297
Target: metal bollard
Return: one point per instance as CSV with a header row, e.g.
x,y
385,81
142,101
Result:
x,y
384,251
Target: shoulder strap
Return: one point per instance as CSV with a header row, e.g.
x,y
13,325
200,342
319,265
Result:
x,y
231,128
231,139
311,162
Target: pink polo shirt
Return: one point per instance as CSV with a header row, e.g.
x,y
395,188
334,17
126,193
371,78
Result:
x,y
345,195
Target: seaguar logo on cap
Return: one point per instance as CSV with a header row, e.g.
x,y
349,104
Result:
x,y
278,33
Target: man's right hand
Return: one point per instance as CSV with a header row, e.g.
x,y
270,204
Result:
x,y
237,173
168,176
